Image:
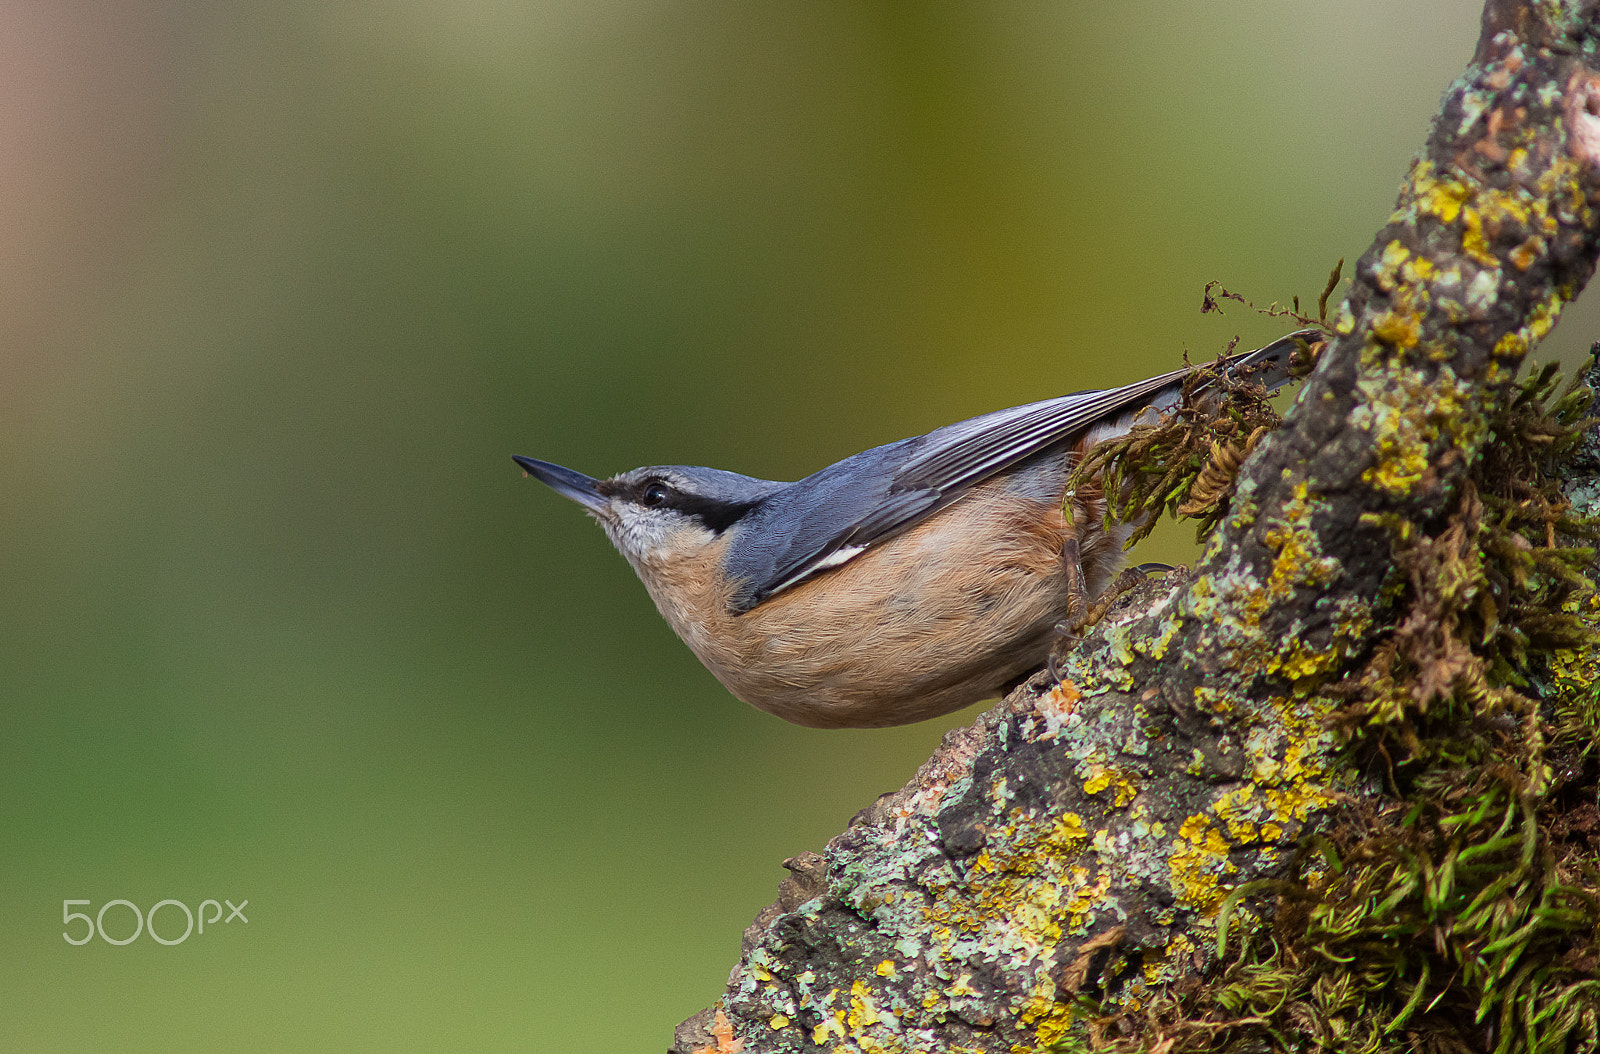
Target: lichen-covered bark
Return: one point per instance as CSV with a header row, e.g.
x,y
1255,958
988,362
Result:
x,y
1084,837
1063,842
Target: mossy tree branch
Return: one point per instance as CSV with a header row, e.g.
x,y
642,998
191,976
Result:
x,y
1056,869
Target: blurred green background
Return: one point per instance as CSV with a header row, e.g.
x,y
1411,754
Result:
x,y
286,283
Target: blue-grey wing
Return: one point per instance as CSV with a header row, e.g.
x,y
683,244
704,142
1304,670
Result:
x,y
835,515
821,522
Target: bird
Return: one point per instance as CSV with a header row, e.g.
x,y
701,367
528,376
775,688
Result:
x,y
903,582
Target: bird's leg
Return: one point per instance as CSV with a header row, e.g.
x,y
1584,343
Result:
x,y
1125,581
1067,628
1077,588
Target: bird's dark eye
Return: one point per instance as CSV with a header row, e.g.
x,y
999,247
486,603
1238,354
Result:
x,y
654,494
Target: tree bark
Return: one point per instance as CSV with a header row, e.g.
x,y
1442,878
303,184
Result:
x,y
1088,840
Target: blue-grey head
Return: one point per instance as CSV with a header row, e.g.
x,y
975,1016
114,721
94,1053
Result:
x,y
661,513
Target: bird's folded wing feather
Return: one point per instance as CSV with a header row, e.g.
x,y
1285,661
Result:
x,y
835,516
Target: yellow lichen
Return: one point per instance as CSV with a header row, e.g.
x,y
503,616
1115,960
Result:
x,y
1524,255
1444,198
830,1025
1386,271
1069,832
1407,413
1054,1027
1511,346
1298,562
1085,896
1194,828
1400,330
1418,270
1104,777
863,1011
1344,321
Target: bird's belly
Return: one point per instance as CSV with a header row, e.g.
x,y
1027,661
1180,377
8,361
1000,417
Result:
x,y
948,613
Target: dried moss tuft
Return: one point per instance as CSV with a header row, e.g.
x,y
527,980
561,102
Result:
x,y
1186,463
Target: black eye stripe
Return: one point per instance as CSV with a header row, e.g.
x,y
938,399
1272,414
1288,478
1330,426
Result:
x,y
653,492
718,516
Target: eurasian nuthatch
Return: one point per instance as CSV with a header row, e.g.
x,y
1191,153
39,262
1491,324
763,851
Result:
x,y
901,583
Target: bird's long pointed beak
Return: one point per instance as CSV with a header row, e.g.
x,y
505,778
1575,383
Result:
x,y
567,483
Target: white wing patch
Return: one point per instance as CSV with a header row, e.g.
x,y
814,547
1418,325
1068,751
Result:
x,y
833,559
